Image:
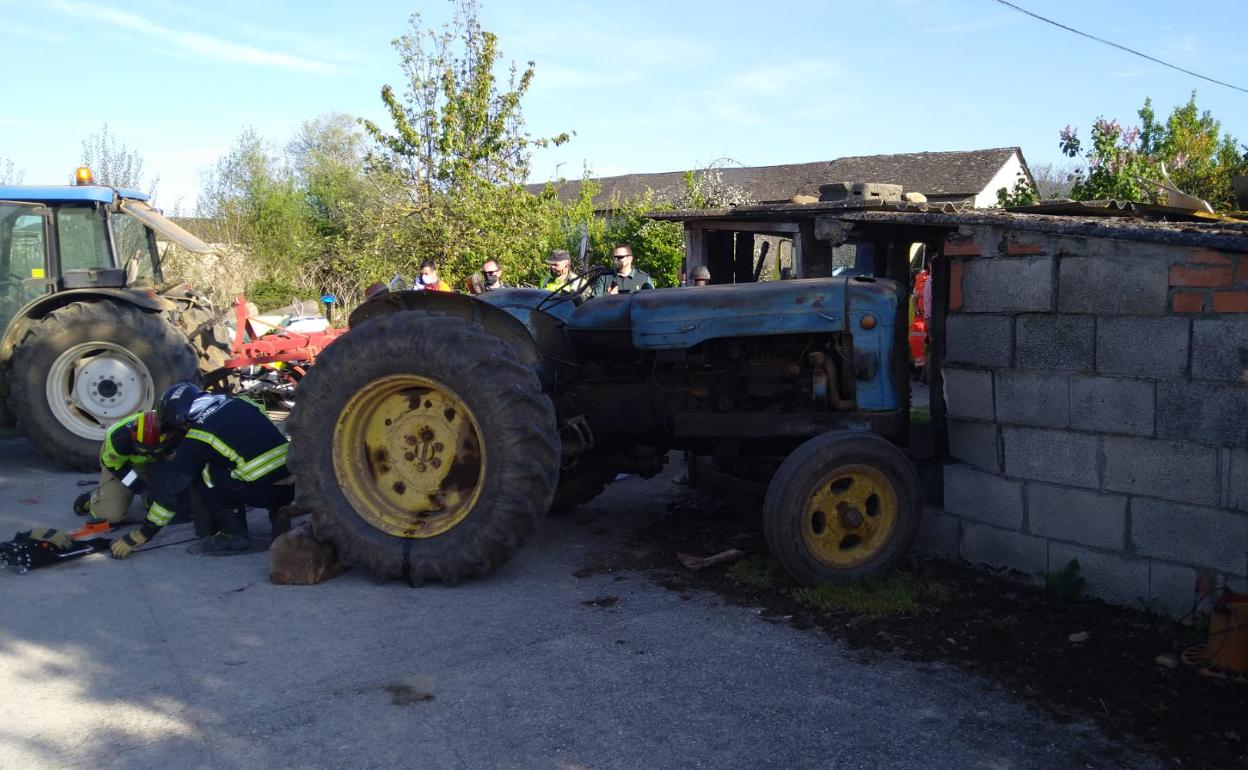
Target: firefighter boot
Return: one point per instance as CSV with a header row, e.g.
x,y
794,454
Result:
x,y
232,535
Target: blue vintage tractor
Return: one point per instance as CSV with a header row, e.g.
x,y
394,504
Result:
x,y
430,439
90,331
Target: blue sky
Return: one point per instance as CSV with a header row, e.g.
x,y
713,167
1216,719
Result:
x,y
646,86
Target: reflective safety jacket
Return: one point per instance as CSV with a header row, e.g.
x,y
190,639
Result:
x,y
111,458
554,283
228,443
921,295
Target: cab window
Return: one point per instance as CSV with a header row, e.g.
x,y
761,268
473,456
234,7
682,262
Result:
x,y
23,265
134,241
83,239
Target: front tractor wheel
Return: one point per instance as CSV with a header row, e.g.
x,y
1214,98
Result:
x,y
424,448
84,366
843,505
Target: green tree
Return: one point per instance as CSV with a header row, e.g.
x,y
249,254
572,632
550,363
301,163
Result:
x,y
459,152
1200,159
1022,194
455,124
253,201
327,158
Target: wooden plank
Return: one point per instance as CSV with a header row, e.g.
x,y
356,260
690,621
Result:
x,y
695,249
743,226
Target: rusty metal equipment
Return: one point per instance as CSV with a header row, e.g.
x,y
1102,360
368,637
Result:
x,y
266,362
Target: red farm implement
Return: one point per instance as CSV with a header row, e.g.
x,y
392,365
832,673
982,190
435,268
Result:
x,y
267,360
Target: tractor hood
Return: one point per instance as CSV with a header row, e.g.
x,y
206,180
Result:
x,y
682,318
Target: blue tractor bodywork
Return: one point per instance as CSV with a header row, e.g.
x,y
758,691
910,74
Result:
x,y
683,318
687,366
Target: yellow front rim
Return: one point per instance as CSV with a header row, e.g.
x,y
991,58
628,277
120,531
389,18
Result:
x,y
850,516
408,456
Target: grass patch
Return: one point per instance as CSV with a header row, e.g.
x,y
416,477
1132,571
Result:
x,y
758,571
892,593
936,593
920,415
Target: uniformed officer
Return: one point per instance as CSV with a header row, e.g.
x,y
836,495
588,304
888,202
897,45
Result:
x,y
229,456
626,279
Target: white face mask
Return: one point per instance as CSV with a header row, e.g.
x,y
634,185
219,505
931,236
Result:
x,y
430,279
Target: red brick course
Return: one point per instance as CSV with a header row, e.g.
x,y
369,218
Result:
x,y
1188,302
955,284
1230,302
1204,277
1241,271
1013,246
958,246
1209,257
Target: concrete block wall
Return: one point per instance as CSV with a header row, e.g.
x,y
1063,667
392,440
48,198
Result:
x,y
1097,394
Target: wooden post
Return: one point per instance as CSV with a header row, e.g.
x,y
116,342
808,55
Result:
x,y
743,258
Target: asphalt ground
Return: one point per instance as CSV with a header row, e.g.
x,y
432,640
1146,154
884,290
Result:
x,y
169,660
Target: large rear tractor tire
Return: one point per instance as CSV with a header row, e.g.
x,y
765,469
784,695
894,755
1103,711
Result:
x,y
209,336
84,366
843,505
424,448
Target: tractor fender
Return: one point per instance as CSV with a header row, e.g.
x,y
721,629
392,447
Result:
x,y
496,321
145,299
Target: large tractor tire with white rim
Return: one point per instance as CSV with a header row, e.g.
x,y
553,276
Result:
x,y
84,366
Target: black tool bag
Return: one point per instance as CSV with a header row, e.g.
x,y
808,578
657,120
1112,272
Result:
x,y
24,553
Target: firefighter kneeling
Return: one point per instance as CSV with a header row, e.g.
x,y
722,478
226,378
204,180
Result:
x,y
130,447
228,456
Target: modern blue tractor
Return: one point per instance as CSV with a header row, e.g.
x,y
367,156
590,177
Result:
x,y
90,331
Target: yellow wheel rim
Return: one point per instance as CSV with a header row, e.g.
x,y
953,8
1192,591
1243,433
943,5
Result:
x,y
408,456
850,516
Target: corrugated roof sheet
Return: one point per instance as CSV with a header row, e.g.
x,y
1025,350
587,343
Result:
x,y
957,174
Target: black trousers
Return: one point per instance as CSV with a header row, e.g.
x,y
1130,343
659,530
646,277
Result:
x,y
211,506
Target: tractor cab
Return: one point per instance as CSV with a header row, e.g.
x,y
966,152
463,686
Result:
x,y
89,330
85,236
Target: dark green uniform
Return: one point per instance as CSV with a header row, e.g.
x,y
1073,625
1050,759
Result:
x,y
634,281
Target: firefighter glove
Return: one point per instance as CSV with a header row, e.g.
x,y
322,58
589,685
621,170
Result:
x,y
124,546
54,536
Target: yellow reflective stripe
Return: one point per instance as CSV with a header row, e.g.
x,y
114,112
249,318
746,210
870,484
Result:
x,y
159,514
244,470
262,459
263,464
109,457
206,475
222,448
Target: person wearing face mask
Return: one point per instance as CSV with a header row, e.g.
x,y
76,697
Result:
x,y
489,279
428,279
561,275
626,279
